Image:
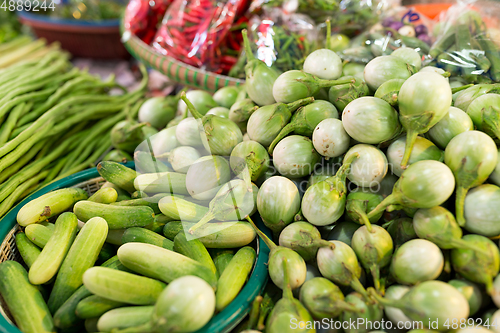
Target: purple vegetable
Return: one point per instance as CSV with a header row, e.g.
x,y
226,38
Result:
x,y
396,25
425,38
388,21
421,29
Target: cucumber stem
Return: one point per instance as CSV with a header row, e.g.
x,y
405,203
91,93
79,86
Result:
x,y
270,244
190,106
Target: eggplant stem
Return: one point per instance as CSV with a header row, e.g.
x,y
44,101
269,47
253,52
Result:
x,y
190,106
330,83
489,286
358,207
461,244
459,204
270,244
344,169
287,292
391,199
292,107
457,89
328,34
209,216
344,306
375,271
357,286
384,301
246,46
254,313
289,128
411,137
322,243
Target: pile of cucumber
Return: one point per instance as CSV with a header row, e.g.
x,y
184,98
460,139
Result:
x,y
116,262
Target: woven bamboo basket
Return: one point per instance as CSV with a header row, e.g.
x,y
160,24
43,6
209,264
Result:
x,y
177,71
90,180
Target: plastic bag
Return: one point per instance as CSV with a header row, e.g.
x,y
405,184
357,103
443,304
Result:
x,y
399,27
466,43
347,16
193,31
283,40
142,17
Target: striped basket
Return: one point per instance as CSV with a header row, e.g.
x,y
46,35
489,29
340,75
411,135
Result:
x,y
178,71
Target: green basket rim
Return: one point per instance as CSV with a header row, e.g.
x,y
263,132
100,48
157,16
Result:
x,y
223,322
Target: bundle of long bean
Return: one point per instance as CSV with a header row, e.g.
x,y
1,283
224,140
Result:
x,y
54,121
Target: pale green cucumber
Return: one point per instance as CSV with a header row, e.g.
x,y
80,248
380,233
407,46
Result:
x,y
162,182
118,217
66,317
151,202
125,317
95,306
195,250
162,264
216,235
48,262
105,195
117,174
24,301
29,251
181,210
38,234
49,225
122,194
50,204
143,235
81,256
122,286
234,277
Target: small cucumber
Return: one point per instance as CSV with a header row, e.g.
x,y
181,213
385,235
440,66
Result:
x,y
50,204
195,250
222,258
38,234
66,317
122,286
105,195
29,251
49,225
149,202
126,317
48,262
107,251
162,264
91,325
115,263
117,174
143,235
24,301
81,256
95,306
122,194
234,277
118,217
115,236
181,210
217,235
162,182
171,229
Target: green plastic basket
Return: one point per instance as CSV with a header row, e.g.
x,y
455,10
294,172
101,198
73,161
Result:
x,y
223,322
